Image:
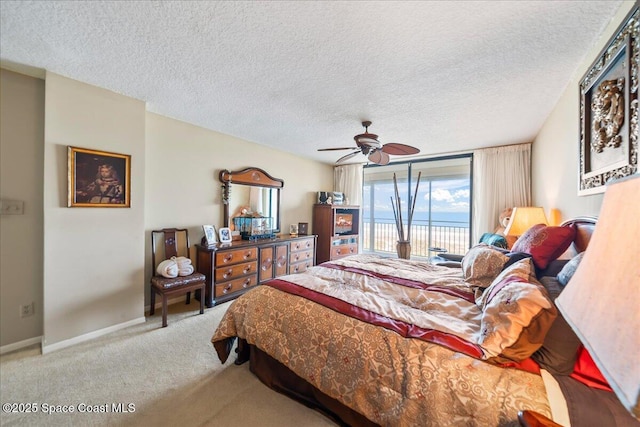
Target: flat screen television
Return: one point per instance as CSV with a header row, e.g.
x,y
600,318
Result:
x,y
343,223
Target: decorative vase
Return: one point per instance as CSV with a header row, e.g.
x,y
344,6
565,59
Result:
x,y
403,247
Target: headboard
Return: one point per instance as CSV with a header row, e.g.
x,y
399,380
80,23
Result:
x,y
584,229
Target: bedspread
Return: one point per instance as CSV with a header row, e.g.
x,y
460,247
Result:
x,y
374,368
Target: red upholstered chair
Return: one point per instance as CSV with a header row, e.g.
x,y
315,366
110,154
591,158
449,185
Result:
x,y
167,243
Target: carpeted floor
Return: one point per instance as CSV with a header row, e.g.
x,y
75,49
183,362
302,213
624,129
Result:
x,y
161,376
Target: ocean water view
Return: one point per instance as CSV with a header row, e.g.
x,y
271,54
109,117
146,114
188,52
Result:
x,y
456,219
448,230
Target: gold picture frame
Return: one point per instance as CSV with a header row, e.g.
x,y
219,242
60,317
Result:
x,y
609,110
98,179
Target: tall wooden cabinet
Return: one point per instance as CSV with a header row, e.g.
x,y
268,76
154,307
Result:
x,y
337,228
233,268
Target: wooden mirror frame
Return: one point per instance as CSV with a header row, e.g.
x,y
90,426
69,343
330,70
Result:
x,y
254,177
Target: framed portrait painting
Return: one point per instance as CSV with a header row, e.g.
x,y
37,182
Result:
x,y
98,179
609,110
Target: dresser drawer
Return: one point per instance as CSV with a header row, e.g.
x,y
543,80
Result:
x,y
234,271
301,256
343,250
235,256
300,267
236,285
300,245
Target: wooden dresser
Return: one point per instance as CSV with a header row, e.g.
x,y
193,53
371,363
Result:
x,y
233,268
337,227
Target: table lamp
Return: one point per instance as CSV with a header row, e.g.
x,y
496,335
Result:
x,y
601,302
523,218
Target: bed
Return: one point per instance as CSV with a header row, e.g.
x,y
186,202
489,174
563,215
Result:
x,y
370,340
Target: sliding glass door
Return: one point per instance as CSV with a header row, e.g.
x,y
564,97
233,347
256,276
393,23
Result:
x,y
442,208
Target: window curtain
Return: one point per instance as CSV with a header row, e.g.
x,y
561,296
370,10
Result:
x,y
501,179
347,179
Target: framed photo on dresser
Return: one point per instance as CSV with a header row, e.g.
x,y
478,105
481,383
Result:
x,y
210,235
225,235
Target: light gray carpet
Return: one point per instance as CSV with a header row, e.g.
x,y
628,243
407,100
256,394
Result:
x,y
172,375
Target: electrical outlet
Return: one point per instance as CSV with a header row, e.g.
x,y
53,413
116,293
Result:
x,y
27,310
11,207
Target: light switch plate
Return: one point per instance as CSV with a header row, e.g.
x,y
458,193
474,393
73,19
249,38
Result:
x,y
12,207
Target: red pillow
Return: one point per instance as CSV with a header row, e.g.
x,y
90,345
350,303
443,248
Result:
x,y
545,243
586,371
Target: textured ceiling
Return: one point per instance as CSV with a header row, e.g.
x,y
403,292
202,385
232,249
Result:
x,y
301,75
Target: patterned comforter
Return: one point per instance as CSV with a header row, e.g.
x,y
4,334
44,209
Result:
x,y
394,340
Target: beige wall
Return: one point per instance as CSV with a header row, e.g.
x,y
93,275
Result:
x,y
94,275
555,151
21,160
183,189
93,257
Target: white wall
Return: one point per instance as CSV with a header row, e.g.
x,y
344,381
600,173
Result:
x,y
21,160
93,257
555,151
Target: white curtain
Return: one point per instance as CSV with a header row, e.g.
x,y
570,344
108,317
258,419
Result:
x,y
501,179
348,180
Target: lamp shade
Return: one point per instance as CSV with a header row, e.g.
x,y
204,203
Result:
x,y
601,302
523,218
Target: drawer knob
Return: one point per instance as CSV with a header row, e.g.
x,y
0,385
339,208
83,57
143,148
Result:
x,y
228,257
246,283
295,270
247,269
228,273
226,288
247,255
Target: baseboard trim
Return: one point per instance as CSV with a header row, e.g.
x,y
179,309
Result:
x,y
91,335
20,345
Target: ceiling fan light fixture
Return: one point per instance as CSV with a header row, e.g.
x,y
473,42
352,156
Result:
x,y
369,139
368,144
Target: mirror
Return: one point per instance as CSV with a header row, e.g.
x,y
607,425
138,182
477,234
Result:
x,y
251,193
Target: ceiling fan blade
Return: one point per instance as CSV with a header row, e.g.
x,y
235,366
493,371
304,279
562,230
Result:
x,y
335,149
347,157
396,149
379,157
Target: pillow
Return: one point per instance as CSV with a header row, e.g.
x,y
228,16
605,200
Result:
x,y
481,264
553,268
515,257
516,315
559,350
586,371
523,269
494,240
569,268
545,243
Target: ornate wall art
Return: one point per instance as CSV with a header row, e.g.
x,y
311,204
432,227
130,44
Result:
x,y
609,110
98,179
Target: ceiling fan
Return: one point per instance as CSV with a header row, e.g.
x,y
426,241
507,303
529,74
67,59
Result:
x,y
368,144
